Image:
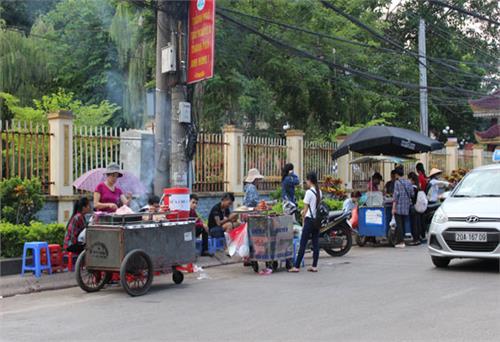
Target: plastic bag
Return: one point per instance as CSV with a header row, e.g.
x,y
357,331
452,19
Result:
x,y
237,241
81,236
392,224
124,210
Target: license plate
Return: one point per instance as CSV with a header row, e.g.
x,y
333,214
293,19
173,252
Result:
x,y
471,237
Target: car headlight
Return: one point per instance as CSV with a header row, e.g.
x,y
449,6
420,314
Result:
x,y
439,216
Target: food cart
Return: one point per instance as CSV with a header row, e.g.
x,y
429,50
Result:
x,y
136,247
375,213
271,240
371,142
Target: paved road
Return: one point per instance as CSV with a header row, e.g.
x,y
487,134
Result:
x,y
380,294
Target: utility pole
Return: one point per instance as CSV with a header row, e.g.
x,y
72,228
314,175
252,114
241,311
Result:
x,y
170,160
422,66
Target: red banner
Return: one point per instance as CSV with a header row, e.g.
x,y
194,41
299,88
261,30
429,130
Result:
x,y
201,40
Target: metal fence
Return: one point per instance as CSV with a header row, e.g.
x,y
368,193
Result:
x,y
95,147
465,159
268,155
25,151
437,159
209,163
488,158
318,158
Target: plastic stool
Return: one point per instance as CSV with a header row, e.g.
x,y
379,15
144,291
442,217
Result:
x,y
69,260
37,267
198,246
56,257
296,245
215,244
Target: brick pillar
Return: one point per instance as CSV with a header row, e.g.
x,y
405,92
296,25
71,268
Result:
x,y
61,161
295,151
233,159
477,155
343,166
451,155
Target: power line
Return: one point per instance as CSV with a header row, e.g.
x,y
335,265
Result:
x,y
305,54
336,38
464,11
391,42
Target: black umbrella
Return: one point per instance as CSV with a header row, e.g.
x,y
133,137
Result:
x,y
387,140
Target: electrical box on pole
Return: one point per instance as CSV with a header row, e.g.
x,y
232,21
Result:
x,y
168,59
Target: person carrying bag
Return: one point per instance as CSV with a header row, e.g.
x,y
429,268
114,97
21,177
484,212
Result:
x,y
311,223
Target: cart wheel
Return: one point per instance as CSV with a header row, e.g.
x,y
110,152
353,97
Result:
x,y
289,263
90,281
136,273
255,266
361,240
177,277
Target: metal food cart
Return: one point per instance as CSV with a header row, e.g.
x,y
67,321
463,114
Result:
x,y
271,240
376,213
136,247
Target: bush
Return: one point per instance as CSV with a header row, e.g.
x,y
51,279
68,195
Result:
x,y
20,199
276,194
13,237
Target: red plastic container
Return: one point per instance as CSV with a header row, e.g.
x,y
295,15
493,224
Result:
x,y
177,200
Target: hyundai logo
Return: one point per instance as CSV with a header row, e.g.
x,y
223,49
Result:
x,y
472,219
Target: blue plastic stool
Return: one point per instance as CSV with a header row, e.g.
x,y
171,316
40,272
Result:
x,y
198,246
37,267
296,245
215,244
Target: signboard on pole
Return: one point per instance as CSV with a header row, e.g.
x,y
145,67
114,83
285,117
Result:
x,y
201,40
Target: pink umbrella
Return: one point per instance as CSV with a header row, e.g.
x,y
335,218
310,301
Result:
x,y
129,183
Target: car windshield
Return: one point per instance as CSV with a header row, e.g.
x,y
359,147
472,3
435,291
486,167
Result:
x,y
484,183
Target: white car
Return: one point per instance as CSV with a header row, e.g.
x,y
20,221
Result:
x,y
467,224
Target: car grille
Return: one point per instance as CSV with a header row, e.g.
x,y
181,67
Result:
x,y
481,219
489,246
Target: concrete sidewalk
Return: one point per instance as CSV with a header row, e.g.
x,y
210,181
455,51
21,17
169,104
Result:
x,y
16,284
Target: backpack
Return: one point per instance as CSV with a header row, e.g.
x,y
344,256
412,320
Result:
x,y
322,212
421,202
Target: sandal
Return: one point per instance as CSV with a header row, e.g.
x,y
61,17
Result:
x,y
312,269
294,270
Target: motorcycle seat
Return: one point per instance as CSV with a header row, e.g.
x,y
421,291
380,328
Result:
x,y
332,215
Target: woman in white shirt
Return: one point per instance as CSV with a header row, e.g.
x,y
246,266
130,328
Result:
x,y
311,200
436,186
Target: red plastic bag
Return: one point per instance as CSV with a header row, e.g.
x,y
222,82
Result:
x,y
237,241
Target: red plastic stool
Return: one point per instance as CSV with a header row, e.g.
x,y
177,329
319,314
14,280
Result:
x,y
69,261
56,257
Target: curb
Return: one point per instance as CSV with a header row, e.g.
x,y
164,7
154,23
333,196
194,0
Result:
x,y
34,285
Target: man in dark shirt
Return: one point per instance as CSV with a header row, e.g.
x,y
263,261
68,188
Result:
x,y
389,186
220,218
201,228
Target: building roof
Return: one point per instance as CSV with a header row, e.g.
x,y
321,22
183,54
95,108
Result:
x,y
487,106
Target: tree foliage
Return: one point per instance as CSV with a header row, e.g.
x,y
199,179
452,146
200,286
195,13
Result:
x,y
84,115
103,50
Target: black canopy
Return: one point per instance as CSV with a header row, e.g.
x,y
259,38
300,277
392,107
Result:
x,y
387,140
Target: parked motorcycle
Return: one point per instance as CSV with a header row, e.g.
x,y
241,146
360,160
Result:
x,y
335,236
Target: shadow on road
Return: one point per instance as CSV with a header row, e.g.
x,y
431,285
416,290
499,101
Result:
x,y
474,265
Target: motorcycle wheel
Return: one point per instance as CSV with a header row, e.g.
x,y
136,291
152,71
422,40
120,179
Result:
x,y
343,232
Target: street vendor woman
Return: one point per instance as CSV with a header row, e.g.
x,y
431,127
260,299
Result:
x,y
108,196
251,198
